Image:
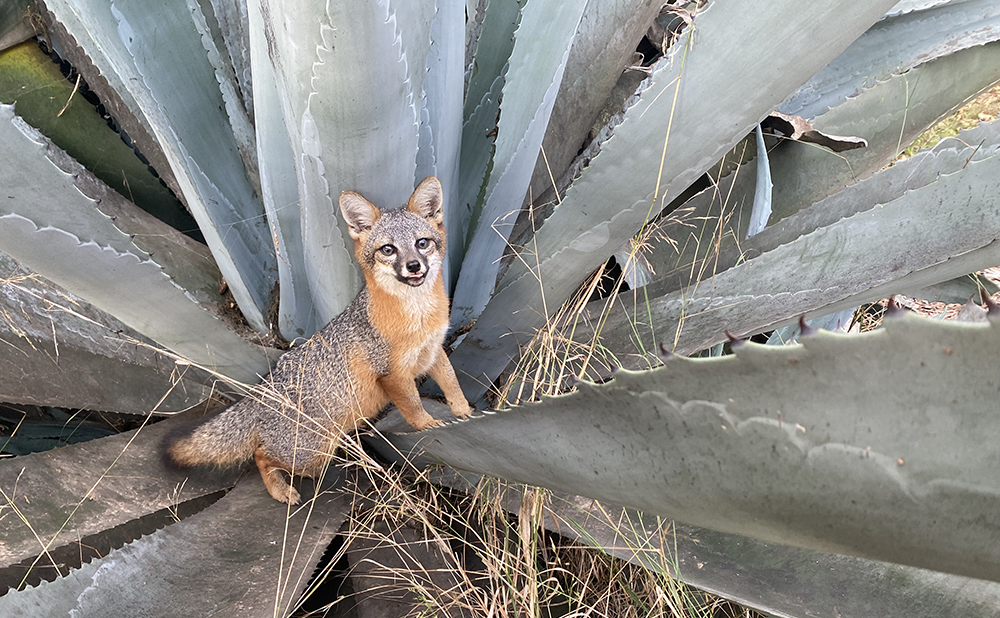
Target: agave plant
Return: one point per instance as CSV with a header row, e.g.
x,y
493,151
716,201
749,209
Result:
x,y
838,464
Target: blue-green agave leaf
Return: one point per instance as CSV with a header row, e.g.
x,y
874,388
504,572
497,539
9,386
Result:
x,y
714,64
229,21
441,121
888,115
604,46
71,493
266,548
54,229
767,443
938,208
240,119
958,290
156,58
486,80
541,47
775,580
57,349
908,6
761,210
835,322
892,47
280,188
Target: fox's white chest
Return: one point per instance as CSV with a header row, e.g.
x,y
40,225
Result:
x,y
420,358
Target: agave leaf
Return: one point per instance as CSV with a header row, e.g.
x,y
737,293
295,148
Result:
x,y
280,189
125,116
906,106
69,493
58,232
267,560
240,120
482,102
958,290
345,128
160,59
27,152
904,40
15,26
51,356
493,47
939,231
50,103
414,21
836,322
625,182
761,210
604,45
907,6
441,122
475,10
127,286
187,262
948,157
229,21
776,580
889,115
898,469
541,47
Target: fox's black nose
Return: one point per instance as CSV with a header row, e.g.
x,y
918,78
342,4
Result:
x,y
413,266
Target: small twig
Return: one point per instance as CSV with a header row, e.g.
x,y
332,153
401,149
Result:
x,y
974,152
70,99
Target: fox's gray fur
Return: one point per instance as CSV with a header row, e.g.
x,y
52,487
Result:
x,y
390,334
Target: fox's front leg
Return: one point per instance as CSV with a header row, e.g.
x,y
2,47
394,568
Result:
x,y
444,375
403,392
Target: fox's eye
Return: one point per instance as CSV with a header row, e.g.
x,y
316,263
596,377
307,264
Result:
x,y
387,250
423,243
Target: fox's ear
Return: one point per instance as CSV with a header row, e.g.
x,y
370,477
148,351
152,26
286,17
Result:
x,y
427,200
359,213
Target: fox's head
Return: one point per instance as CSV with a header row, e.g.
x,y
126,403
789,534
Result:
x,y
405,245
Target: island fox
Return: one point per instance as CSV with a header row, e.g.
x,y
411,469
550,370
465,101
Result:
x,y
389,335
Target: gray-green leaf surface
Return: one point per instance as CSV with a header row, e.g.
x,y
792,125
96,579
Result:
x,y
156,58
942,226
892,47
542,45
890,114
898,467
625,183
79,248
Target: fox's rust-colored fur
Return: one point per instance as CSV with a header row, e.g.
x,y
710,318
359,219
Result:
x,y
370,354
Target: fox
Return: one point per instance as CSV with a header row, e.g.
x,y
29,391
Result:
x,y
371,354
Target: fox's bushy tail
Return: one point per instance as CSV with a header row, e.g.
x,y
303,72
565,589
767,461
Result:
x,y
230,436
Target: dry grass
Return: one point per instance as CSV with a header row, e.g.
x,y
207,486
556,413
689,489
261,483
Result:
x,y
558,355
443,552
985,107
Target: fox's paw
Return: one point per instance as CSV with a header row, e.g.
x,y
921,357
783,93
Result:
x,y
427,423
287,494
462,412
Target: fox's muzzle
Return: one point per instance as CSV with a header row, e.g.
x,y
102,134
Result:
x,y
414,274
